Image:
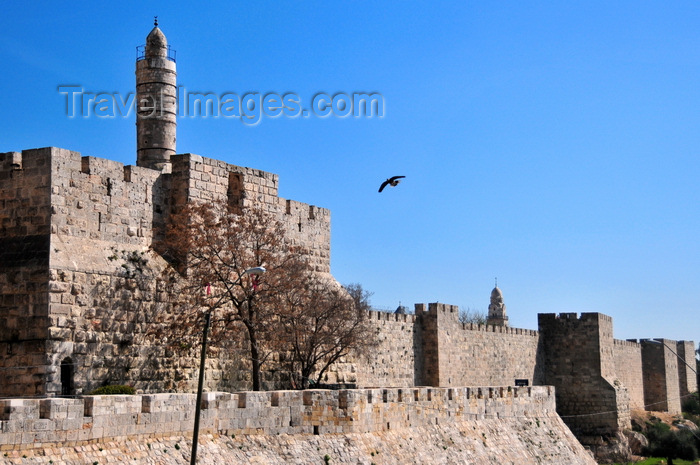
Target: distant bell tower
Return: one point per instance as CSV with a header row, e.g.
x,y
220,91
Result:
x,y
156,102
497,309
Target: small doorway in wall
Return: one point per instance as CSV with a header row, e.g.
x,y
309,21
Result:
x,y
67,371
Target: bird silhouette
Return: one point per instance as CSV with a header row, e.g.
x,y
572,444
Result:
x,y
392,181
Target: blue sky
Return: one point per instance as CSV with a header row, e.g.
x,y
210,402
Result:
x,y
553,146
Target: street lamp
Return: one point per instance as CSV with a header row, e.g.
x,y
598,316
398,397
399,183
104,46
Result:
x,y
198,407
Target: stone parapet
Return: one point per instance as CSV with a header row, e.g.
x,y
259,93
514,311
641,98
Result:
x,y
36,423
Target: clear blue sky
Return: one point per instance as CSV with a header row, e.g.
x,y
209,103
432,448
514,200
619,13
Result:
x,y
553,146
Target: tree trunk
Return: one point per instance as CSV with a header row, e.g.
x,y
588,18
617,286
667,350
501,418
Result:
x,y
255,359
306,378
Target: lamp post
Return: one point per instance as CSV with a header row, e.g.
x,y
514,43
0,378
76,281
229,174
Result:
x,y
202,359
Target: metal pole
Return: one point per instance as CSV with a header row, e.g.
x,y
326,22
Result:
x,y
200,387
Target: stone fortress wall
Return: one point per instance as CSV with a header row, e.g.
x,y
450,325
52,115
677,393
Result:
x,y
598,379
579,361
70,321
432,348
628,366
65,305
29,422
390,426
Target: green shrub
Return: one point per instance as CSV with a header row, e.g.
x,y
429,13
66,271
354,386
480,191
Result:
x,y
671,444
692,404
113,389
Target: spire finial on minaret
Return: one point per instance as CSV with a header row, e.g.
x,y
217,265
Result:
x,y
155,21
496,281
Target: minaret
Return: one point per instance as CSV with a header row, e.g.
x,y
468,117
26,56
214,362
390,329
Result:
x,y
156,101
497,309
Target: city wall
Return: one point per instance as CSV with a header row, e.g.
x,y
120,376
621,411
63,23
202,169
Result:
x,y
433,348
471,354
688,382
629,368
70,320
67,312
479,425
661,381
579,362
396,361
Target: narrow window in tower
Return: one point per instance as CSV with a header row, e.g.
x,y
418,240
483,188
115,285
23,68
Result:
x,y
235,190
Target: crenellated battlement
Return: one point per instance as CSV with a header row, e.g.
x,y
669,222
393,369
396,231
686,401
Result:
x,y
28,423
10,161
61,214
499,329
632,343
438,308
375,315
574,317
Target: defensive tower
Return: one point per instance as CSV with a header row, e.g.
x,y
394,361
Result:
x,y
156,94
497,309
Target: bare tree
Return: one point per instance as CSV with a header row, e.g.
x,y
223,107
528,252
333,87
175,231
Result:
x,y
359,295
322,324
290,309
471,315
213,245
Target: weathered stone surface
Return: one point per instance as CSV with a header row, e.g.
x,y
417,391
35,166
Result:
x,y
661,381
426,426
64,222
637,442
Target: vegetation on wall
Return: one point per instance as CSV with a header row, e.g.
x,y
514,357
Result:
x,y
675,444
113,389
288,309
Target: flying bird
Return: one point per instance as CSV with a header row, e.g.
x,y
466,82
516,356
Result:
x,y
392,181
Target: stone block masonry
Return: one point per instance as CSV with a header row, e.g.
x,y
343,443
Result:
x,y
459,354
661,385
629,367
688,382
384,426
579,362
66,313
432,348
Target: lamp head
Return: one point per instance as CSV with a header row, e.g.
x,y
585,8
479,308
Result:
x,y
255,270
